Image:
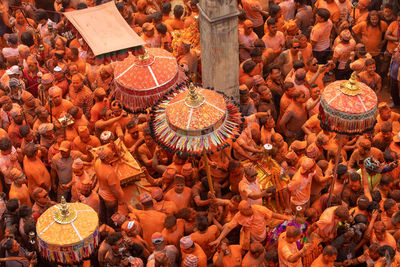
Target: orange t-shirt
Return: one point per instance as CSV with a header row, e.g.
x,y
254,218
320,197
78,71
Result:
x,y
199,253
151,221
285,250
300,189
393,29
62,108
252,14
332,7
203,239
172,238
182,200
371,36
327,224
320,34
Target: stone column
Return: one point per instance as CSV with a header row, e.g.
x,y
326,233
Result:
x,y
220,45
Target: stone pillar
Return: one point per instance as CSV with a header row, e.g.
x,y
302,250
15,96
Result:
x,y
220,45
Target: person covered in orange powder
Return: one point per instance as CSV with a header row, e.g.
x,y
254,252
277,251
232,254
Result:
x,y
180,194
57,105
146,215
35,170
174,230
188,247
110,191
84,141
162,205
253,218
80,94
204,235
288,252
19,189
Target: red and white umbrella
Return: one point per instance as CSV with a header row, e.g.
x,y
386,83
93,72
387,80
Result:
x,y
142,80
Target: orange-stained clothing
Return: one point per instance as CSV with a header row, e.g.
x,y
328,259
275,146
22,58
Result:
x,y
96,110
285,250
332,7
37,174
251,14
320,34
394,120
199,253
256,223
394,30
327,224
81,146
83,98
81,65
233,259
182,200
93,201
107,177
250,261
167,207
203,239
60,109
246,188
21,193
300,188
371,36
151,221
173,237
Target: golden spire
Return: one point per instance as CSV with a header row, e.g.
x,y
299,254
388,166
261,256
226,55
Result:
x,y
64,214
193,98
350,87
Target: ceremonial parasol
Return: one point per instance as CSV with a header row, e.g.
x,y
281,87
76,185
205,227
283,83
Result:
x,y
68,233
196,121
142,80
104,31
347,108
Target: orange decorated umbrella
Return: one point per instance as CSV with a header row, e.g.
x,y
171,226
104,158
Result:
x,y
68,233
142,80
195,121
347,108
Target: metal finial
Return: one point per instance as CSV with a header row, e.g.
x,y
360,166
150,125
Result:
x,y
64,214
193,98
64,207
350,87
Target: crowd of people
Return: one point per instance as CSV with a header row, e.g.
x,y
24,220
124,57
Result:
x,y
275,205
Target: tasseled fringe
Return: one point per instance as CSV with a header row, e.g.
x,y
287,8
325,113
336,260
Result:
x,y
172,141
69,255
139,101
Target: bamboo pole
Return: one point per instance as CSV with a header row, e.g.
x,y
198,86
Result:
x,y
210,182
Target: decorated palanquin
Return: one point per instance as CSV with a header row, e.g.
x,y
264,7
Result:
x,y
270,174
140,81
68,233
125,165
